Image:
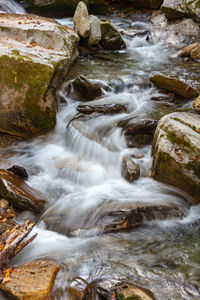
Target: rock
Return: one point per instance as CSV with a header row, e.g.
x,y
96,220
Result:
x,y
81,20
130,170
173,84
196,104
185,52
86,89
32,280
116,289
88,108
74,293
19,171
19,193
151,4
95,31
35,55
6,216
111,38
138,131
195,52
176,147
175,9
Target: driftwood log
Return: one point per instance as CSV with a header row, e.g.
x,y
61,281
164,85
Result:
x,y
11,243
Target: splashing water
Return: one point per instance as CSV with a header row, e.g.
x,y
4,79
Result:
x,y
11,6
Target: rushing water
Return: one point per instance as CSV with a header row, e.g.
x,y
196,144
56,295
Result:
x,y
79,171
11,6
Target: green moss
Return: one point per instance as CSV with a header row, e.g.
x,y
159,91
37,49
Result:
x,y
194,166
33,79
180,141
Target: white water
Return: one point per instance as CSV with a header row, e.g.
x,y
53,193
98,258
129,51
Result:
x,y
80,174
11,6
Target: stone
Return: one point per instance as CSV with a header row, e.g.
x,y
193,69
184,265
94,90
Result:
x,y
172,83
176,149
196,104
19,171
116,289
95,31
74,293
81,20
20,194
111,38
32,280
175,9
195,52
86,89
185,52
150,4
89,107
35,56
130,170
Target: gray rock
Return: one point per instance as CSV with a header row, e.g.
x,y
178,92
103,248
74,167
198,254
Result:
x,y
81,20
175,9
130,170
111,38
95,31
176,149
106,108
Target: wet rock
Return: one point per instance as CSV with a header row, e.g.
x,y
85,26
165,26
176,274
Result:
x,y
81,20
74,293
139,215
95,31
130,170
6,216
176,149
176,9
111,38
19,193
196,104
138,131
186,51
19,171
88,108
32,280
116,289
35,55
174,84
86,89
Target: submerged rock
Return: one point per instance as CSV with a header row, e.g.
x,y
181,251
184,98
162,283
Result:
x,y
111,38
32,280
196,104
81,20
130,170
116,289
174,84
176,149
35,55
86,89
19,193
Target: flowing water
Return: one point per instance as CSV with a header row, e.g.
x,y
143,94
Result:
x,y
11,6
79,172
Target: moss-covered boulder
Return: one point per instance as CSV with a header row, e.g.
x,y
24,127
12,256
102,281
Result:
x,y
35,55
176,152
110,37
176,9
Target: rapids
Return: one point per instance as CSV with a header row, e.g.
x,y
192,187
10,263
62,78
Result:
x,y
79,171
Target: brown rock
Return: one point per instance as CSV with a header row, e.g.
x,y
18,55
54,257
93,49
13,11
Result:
x,y
196,104
31,281
19,193
130,170
185,52
74,293
86,88
101,108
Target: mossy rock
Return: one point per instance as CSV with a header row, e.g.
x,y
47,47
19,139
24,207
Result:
x,y
111,38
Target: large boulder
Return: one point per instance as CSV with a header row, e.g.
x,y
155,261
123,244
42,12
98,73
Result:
x,y
95,31
35,55
19,193
110,37
176,151
175,9
81,20
32,280
173,83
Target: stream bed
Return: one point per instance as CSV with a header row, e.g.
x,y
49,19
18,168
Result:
x,y
79,172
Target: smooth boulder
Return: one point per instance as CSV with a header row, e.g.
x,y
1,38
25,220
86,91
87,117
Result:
x,y
172,83
19,193
95,31
176,149
35,56
32,280
81,20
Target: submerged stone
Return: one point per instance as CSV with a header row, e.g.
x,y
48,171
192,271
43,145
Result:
x,y
20,194
32,280
176,149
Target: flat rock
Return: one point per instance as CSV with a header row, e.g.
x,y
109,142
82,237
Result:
x,y
31,281
88,108
174,84
20,194
35,56
176,149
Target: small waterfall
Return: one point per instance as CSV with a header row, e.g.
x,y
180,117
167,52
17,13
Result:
x,y
11,6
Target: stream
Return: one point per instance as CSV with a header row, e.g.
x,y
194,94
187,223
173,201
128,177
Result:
x,y
79,172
